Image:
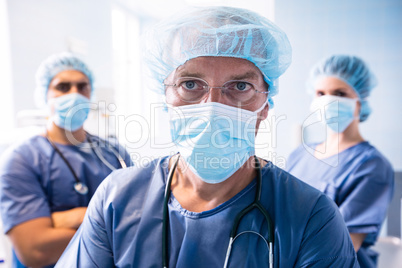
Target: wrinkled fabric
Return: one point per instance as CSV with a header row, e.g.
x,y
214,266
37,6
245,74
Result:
x,y
217,31
123,226
214,139
35,181
337,113
70,111
53,65
360,181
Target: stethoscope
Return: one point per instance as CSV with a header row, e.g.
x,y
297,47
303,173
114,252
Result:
x,y
233,236
79,186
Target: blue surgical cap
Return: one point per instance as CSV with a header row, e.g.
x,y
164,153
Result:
x,y
218,32
351,70
53,65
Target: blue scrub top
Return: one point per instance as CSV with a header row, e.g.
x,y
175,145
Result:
x,y
361,182
123,226
35,181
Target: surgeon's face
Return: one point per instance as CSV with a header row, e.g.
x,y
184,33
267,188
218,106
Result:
x,y
329,85
216,72
67,82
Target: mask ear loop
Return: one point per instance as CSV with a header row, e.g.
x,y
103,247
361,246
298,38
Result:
x,y
360,109
262,107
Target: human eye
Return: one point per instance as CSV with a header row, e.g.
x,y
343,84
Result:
x,y
239,85
83,87
63,87
319,93
339,93
191,84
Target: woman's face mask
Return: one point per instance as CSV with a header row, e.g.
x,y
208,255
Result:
x,y
335,112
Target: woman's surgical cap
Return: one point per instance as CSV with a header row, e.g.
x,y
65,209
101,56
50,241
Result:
x,y
53,65
351,70
218,32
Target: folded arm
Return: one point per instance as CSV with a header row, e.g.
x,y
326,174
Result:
x,y
357,240
41,241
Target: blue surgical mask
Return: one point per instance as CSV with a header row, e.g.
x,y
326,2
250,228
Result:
x,y
69,111
336,112
214,139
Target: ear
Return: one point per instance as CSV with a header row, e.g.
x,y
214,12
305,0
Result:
x,y
264,113
262,116
358,109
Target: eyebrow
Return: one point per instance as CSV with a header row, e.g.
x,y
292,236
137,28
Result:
x,y
345,90
248,75
190,74
341,89
69,82
81,83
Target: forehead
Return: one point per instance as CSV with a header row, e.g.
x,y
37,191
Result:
x,y
331,83
69,76
219,67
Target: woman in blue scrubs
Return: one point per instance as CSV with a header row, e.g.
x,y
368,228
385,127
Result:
x,y
345,166
46,182
217,68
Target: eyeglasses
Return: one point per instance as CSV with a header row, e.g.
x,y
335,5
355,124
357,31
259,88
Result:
x,y
192,90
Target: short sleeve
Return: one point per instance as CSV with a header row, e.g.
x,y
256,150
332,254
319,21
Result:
x,y
21,194
317,248
369,192
90,245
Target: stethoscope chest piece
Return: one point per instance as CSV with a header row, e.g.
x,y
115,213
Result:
x,y
80,188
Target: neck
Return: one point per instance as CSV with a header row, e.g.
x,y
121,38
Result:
x,y
62,136
196,195
338,142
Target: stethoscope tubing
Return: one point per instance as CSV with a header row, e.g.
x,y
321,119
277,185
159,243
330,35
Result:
x,y
104,161
79,186
64,158
165,224
256,204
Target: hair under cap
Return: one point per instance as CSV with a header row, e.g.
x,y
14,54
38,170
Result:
x,y
53,65
218,32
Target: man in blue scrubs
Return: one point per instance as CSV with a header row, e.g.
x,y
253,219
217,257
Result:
x,y
217,67
46,181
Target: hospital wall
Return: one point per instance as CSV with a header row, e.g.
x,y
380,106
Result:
x,y
86,28
38,30
370,29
